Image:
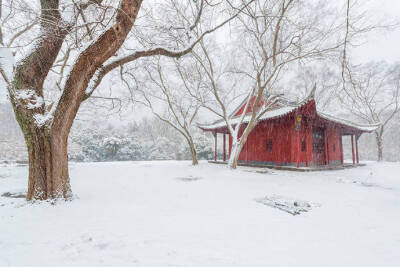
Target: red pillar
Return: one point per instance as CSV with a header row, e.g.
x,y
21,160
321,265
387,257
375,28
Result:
x,y
341,149
358,161
352,149
247,151
215,146
326,147
224,146
298,149
305,140
279,143
230,145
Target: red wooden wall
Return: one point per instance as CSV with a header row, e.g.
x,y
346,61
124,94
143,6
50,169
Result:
x,y
282,132
334,146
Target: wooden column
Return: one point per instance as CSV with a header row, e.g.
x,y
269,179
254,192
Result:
x,y
230,146
247,151
341,149
352,149
298,149
326,146
358,160
224,146
305,140
279,144
215,146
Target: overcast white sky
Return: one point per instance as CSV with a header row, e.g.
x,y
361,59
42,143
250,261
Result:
x,y
382,45
378,45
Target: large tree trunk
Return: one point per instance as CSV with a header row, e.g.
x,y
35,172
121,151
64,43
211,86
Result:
x,y
48,169
47,141
48,159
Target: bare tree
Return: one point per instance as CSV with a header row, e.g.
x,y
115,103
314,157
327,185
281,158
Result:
x,y
166,90
306,76
371,93
99,37
273,35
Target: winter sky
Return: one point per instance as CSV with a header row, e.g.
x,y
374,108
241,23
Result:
x,y
377,46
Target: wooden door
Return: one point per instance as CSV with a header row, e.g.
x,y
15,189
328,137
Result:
x,y
318,146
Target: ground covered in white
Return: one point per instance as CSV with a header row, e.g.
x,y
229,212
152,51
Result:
x,y
172,214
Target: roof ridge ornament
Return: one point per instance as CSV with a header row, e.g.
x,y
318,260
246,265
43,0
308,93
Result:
x,y
309,97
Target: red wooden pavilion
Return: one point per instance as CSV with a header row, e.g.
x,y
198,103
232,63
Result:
x,y
292,134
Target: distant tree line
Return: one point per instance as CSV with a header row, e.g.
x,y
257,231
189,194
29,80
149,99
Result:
x,y
146,140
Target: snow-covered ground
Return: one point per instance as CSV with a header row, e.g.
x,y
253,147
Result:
x,y
172,214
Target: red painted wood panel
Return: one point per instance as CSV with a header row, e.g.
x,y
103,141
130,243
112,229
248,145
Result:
x,y
282,132
279,132
334,146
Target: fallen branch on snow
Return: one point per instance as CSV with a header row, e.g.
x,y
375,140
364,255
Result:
x,y
285,204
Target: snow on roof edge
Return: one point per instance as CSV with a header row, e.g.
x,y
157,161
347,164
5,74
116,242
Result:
x,y
274,113
362,127
282,111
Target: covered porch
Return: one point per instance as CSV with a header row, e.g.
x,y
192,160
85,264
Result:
x,y
354,137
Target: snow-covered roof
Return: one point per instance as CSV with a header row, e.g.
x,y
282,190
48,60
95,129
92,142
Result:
x,y
274,113
284,108
361,127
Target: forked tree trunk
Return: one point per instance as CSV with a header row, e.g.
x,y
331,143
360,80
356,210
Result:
x,y
237,146
48,161
47,144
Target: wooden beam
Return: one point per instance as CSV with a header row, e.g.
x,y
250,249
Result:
x,y
224,147
352,149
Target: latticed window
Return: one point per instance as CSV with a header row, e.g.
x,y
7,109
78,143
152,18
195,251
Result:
x,y
269,145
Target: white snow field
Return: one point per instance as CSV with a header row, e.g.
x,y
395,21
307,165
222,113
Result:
x,y
172,214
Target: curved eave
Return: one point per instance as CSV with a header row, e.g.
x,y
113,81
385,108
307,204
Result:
x,y
349,127
366,128
272,114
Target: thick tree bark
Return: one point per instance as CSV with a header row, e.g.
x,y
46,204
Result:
x,y
48,158
47,144
26,96
46,179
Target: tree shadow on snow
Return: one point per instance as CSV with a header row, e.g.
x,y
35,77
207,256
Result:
x,y
189,178
14,195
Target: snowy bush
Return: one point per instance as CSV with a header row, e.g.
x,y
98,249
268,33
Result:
x,y
204,147
162,149
99,147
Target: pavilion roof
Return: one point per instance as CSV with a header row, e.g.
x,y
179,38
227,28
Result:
x,y
284,108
